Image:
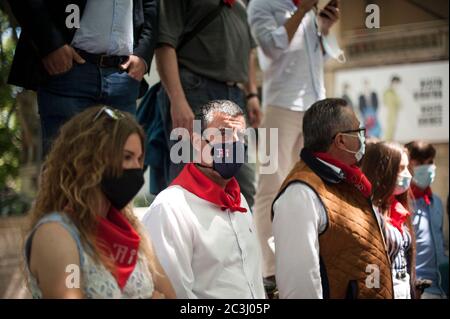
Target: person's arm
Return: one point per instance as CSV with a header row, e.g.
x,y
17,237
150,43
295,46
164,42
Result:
x,y
54,262
149,35
180,110
442,258
253,105
34,17
331,16
173,246
293,22
274,39
296,227
172,25
140,61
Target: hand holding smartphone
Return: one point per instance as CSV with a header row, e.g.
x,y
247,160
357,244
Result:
x,y
332,3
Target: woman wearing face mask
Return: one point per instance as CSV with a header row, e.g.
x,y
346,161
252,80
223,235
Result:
x,y
386,166
85,241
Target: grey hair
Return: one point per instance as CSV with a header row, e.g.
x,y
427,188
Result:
x,y
323,120
206,112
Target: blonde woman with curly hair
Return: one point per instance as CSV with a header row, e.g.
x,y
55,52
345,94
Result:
x,y
85,241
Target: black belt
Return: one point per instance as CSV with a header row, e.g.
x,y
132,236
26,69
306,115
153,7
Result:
x,y
103,61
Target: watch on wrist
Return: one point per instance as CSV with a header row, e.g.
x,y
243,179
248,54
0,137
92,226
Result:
x,y
252,95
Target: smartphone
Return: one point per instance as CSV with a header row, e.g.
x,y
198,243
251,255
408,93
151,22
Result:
x,y
332,3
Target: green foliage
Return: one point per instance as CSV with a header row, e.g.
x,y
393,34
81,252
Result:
x,y
13,203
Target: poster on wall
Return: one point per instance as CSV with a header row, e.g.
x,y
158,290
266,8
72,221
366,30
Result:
x,y
399,102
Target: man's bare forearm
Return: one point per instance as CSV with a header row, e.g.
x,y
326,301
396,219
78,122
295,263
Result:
x,y
167,64
293,23
251,86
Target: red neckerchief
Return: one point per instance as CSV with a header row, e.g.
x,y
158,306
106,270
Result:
x,y
399,214
229,3
296,2
418,193
118,239
353,174
194,181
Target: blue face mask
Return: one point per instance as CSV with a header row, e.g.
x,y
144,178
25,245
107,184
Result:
x,y
403,183
228,158
424,175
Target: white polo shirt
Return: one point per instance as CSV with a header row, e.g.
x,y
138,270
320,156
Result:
x,y
206,252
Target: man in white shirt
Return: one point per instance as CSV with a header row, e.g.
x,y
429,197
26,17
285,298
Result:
x,y
201,225
328,240
289,34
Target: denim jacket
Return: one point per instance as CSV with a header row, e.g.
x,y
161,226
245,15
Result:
x,y
428,225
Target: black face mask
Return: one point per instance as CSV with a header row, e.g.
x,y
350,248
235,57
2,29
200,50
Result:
x,y
121,190
228,158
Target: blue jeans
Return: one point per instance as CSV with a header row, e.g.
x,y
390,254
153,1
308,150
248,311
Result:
x,y
199,91
85,85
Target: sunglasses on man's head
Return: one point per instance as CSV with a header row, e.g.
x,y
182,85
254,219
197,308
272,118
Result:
x,y
112,113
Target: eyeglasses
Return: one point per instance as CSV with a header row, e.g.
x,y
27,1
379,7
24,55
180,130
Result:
x,y
112,113
359,130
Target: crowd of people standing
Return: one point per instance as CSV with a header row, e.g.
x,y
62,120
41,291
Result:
x,y
341,217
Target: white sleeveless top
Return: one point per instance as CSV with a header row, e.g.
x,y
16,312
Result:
x,y
96,281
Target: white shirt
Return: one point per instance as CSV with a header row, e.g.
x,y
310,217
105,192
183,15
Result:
x,y
299,218
106,28
293,75
206,252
